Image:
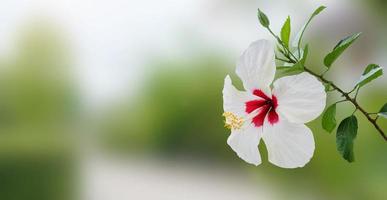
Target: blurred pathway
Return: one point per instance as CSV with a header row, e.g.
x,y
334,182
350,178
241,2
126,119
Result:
x,y
117,179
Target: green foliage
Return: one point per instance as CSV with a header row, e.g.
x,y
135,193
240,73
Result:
x,y
296,68
300,34
327,87
167,116
383,111
263,19
285,32
346,133
304,55
316,12
329,118
37,111
371,72
38,178
37,89
339,49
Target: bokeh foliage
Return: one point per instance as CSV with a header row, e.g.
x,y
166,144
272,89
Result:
x,y
36,115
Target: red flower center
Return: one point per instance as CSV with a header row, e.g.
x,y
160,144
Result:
x,y
266,106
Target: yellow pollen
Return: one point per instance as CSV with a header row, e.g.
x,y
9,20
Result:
x,y
232,121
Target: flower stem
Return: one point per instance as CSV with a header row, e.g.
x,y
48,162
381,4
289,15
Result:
x,y
280,59
344,100
352,100
283,45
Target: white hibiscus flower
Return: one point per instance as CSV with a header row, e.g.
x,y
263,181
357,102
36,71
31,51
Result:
x,y
276,115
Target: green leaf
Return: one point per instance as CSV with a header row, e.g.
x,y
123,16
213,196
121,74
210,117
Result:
x,y
283,67
383,111
346,133
339,49
298,39
305,55
285,32
263,19
316,12
371,72
329,118
295,69
327,86
291,69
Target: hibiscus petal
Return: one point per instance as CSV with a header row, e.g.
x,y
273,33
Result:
x,y
256,66
233,99
301,98
289,145
245,143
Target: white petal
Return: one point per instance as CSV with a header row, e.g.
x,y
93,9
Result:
x,y
289,145
233,99
256,66
301,98
245,143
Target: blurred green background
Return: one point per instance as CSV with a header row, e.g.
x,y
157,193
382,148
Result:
x,y
114,110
